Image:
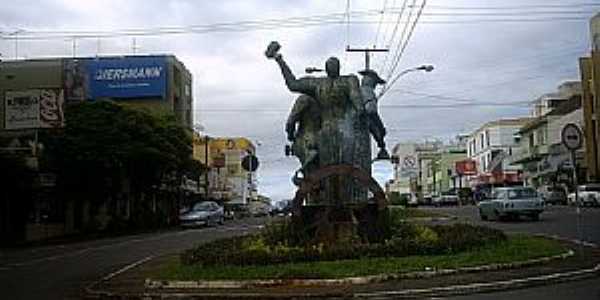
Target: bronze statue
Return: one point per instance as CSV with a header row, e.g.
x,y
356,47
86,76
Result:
x,y
370,80
341,136
302,127
329,126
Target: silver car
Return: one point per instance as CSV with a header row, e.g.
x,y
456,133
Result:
x,y
510,202
206,213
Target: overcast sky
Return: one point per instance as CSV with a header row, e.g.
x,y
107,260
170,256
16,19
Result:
x,y
238,92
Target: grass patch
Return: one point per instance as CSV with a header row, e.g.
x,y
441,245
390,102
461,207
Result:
x,y
516,248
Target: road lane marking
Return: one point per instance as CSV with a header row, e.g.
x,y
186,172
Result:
x,y
127,267
241,227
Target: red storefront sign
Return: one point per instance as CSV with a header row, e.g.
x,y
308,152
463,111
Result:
x,y
466,167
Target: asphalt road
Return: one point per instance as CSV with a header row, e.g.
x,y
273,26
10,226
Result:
x,y
556,220
59,272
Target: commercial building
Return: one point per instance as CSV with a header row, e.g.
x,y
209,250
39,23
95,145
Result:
x,y
405,167
541,154
590,78
228,181
34,95
155,82
489,146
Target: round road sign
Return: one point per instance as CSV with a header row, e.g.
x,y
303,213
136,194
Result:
x,y
572,137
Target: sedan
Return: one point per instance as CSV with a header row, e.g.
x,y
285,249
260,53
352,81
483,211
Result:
x,y
510,202
206,213
587,195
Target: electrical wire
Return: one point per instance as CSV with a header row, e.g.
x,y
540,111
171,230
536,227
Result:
x,y
394,31
396,60
380,22
244,26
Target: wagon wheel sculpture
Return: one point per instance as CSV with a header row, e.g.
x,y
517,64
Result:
x,y
367,214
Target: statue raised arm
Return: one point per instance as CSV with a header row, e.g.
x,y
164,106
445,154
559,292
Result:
x,y
304,85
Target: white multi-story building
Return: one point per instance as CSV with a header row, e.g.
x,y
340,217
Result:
x,y
489,146
548,102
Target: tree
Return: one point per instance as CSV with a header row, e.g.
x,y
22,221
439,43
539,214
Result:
x,y
105,144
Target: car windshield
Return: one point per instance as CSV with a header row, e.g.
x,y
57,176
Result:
x,y
203,206
522,193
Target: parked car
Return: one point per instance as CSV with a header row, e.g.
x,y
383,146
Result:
x,y
282,208
445,199
413,200
207,213
553,195
588,195
427,199
510,202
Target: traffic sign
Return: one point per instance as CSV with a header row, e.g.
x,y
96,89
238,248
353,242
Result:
x,y
572,137
250,163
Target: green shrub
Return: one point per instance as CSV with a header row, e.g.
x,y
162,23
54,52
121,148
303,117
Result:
x,y
408,239
398,199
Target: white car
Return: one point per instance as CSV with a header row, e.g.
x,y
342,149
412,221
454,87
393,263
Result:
x,y
206,213
509,202
445,199
588,195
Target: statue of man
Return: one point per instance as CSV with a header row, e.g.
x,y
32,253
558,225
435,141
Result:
x,y
369,81
302,128
340,139
340,102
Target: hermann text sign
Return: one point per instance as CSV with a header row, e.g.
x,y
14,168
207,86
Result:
x,y
127,77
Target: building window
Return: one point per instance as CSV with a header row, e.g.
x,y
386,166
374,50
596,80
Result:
x,y
531,140
481,140
487,137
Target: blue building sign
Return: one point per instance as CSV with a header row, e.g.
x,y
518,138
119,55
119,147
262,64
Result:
x,y
127,77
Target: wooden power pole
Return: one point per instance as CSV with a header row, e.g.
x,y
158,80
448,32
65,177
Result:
x,y
367,52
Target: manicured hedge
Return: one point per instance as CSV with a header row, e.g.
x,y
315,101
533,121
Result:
x,y
407,239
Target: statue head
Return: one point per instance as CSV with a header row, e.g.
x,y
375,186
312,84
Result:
x,y
371,78
332,67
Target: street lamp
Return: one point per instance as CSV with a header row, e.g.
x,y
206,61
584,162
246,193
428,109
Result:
x,y
426,68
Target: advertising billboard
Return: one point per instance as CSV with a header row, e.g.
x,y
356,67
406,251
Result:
x,y
126,77
75,80
37,108
466,167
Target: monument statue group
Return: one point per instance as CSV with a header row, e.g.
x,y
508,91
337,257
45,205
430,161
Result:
x,y
330,127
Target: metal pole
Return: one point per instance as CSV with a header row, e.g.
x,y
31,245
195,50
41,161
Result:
x,y
206,139
577,203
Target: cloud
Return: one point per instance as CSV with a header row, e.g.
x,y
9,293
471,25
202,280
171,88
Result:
x,y
486,62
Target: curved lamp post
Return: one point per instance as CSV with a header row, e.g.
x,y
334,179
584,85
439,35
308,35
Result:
x,y
426,68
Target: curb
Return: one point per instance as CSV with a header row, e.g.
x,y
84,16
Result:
x,y
242,284
487,286
478,287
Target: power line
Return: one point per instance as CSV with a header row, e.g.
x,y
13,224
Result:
x,y
244,26
391,40
412,29
517,7
380,22
456,105
385,33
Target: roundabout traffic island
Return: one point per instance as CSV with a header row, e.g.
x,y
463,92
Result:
x,y
413,260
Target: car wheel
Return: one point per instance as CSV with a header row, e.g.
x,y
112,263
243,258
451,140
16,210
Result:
x,y
497,216
482,216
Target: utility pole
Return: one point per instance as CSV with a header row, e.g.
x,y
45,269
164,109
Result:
x,y
74,46
367,52
206,140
